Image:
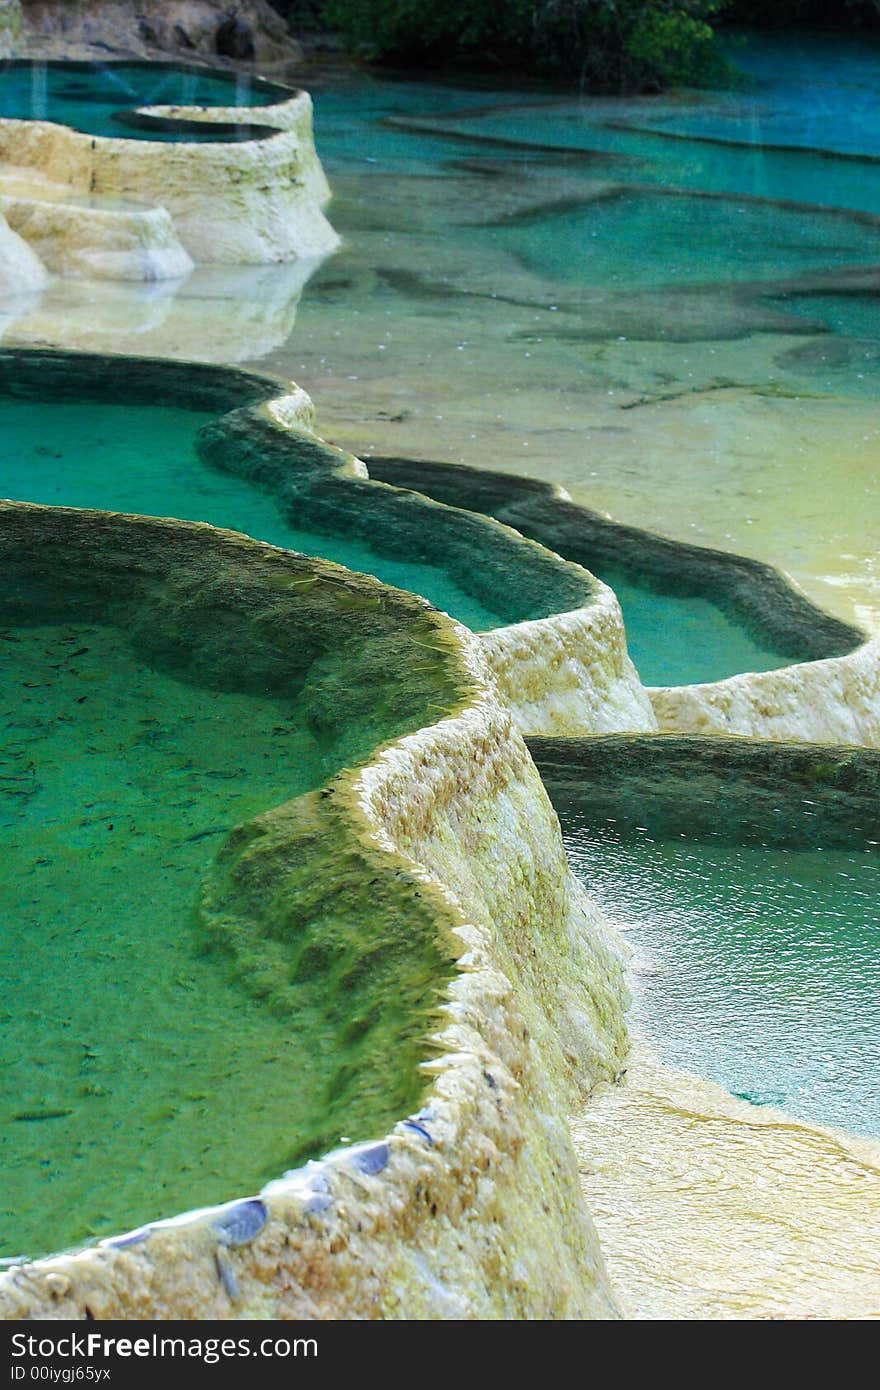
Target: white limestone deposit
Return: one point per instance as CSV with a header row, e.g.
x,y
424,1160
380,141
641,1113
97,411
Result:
x,y
248,202
21,270
711,1208
570,674
80,234
831,701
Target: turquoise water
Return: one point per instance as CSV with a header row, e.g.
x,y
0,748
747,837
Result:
x,y
135,1078
688,240
799,99
88,96
685,641
793,96
144,459
756,967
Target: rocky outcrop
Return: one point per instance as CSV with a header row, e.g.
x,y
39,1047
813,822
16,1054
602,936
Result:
x,y
10,26
241,31
21,270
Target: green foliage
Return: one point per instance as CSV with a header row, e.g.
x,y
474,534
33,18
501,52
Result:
x,y
605,44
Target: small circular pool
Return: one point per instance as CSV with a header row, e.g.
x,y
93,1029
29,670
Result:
x,y
100,99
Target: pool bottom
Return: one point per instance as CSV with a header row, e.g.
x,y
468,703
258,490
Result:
x,y
126,1050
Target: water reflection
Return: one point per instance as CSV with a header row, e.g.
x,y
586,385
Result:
x,y
215,314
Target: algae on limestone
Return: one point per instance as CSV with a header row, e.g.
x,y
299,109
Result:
x,y
473,1210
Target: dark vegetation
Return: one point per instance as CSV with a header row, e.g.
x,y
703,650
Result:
x,y
838,14
605,45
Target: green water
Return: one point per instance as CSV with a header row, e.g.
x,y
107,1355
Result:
x,y
87,96
135,1079
756,967
144,459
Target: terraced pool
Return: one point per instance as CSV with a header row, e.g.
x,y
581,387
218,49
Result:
x,y
144,458
98,99
163,1046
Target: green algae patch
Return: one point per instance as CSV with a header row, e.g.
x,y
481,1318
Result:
x,y
799,796
315,926
164,687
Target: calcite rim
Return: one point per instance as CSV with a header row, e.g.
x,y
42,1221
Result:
x,y
751,590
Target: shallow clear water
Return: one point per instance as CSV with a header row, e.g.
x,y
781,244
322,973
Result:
x,y
144,459
755,967
685,641
682,362
88,97
791,95
686,241
674,391
135,1078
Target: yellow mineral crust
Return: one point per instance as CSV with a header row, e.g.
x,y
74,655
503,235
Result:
x,y
710,1208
